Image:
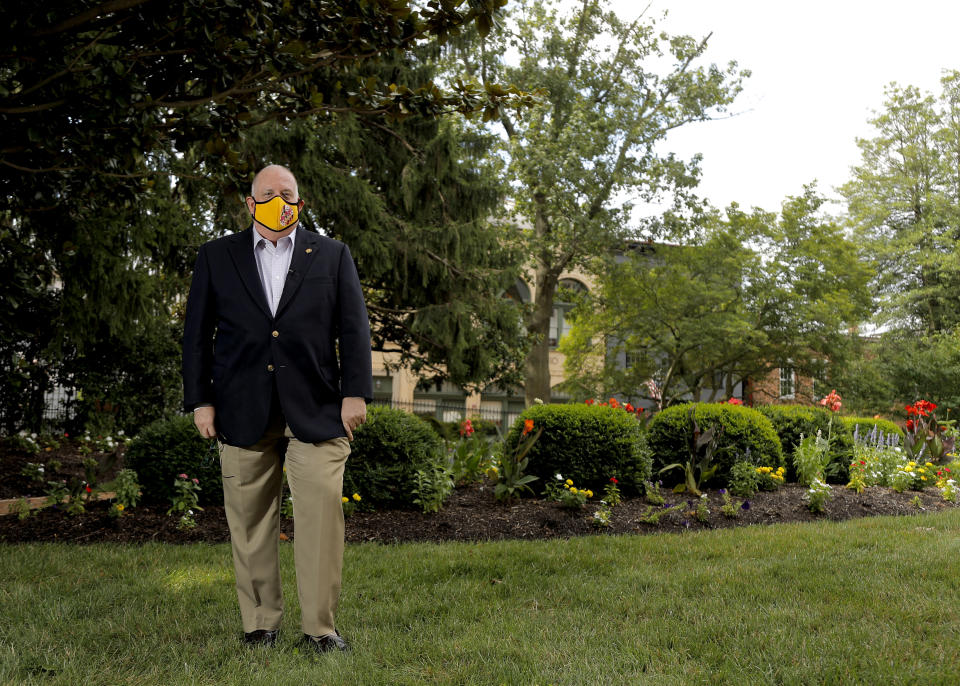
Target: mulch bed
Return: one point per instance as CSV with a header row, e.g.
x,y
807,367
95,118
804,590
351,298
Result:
x,y
470,514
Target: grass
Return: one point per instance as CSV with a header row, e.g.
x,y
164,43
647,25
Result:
x,y
864,601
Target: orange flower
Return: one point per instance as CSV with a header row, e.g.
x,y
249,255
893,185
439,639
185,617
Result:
x,y
613,403
527,426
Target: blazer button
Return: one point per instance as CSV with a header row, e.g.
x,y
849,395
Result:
x,y
276,333
269,367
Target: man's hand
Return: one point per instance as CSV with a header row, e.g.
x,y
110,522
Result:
x,y
203,418
353,413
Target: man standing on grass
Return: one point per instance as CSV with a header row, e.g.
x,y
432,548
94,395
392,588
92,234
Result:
x,y
276,364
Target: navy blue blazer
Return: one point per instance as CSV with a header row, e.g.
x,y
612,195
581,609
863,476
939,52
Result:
x,y
234,350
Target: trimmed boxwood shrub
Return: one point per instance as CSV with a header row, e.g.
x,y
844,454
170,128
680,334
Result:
x,y
386,453
743,428
168,447
585,443
866,425
792,420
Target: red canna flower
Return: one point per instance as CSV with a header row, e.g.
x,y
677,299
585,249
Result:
x,y
734,401
628,407
590,401
910,425
527,426
641,410
89,489
613,479
613,403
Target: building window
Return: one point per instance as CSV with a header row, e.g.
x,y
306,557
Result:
x,y
788,382
559,323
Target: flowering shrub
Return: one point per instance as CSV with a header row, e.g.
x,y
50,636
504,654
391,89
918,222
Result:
x,y
87,443
186,500
810,458
744,479
512,479
790,421
913,475
127,489
877,456
350,504
770,479
567,494
924,438
470,457
817,495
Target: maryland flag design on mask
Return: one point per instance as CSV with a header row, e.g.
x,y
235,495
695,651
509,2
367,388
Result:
x,y
277,214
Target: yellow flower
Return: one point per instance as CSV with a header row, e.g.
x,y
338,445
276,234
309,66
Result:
x,y
923,478
567,486
573,490
922,470
929,464
356,496
589,494
569,482
345,499
911,463
119,507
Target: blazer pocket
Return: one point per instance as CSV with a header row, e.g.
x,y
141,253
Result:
x,y
331,379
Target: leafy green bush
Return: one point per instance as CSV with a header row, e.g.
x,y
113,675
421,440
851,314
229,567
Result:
x,y
168,447
790,421
866,425
586,443
386,453
743,428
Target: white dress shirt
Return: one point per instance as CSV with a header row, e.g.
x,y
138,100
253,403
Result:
x,y
273,263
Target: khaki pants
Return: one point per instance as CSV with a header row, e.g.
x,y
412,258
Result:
x,y
252,484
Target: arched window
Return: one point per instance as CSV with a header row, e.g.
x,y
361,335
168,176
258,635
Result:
x,y
562,304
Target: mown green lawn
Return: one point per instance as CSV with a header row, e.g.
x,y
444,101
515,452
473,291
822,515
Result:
x,y
872,601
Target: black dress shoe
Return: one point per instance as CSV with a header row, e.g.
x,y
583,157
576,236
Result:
x,y
326,643
261,637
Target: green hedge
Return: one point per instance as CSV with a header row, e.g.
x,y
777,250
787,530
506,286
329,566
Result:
x,y
743,428
866,425
386,453
168,447
792,420
585,443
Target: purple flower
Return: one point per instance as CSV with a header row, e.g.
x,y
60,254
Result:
x,y
746,505
722,491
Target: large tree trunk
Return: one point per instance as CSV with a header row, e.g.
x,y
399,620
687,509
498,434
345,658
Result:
x,y
537,372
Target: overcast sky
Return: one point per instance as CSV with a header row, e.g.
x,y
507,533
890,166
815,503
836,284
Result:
x,y
819,70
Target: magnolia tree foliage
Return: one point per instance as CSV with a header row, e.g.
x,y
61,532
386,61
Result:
x,y
735,296
123,130
615,88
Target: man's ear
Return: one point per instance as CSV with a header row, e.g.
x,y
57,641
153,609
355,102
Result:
x,y
251,205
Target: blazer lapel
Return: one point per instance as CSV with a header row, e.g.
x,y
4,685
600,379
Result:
x,y
241,251
304,249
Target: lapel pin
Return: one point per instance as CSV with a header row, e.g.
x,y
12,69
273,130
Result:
x,y
309,250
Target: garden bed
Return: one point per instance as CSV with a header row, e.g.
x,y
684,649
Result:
x,y
471,513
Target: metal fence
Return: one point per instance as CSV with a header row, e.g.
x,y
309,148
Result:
x,y
452,412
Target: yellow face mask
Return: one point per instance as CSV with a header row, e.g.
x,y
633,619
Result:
x,y
277,214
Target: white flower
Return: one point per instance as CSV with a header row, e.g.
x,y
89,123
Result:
x,y
558,477
189,512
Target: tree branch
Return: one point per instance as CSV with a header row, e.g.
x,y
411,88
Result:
x,y
82,18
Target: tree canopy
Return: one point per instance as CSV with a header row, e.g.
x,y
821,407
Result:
x,y
615,88
126,127
742,294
